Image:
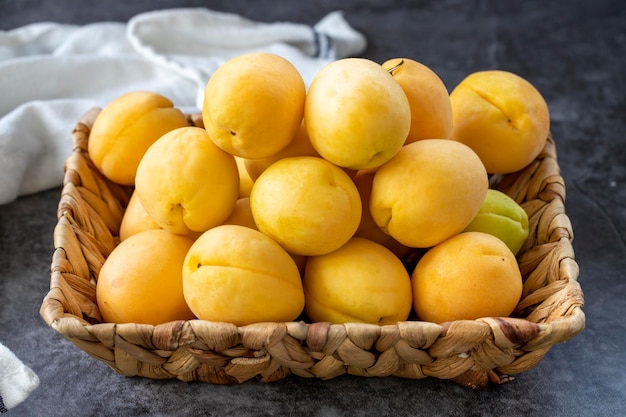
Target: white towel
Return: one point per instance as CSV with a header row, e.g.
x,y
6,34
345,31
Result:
x,y
17,381
50,74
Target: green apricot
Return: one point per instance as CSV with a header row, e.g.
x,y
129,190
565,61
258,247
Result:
x,y
502,217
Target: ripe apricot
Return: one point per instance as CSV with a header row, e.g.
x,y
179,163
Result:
x,y
186,183
469,276
245,182
242,214
307,204
429,100
238,275
141,280
124,130
502,117
253,104
368,228
430,191
356,115
360,282
136,219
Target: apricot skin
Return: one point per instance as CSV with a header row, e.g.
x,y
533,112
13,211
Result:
x,y
124,130
238,275
141,280
430,191
361,282
307,204
356,115
502,117
186,183
502,217
469,276
431,111
253,104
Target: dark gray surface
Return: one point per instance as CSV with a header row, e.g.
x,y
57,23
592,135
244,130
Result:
x,y
573,51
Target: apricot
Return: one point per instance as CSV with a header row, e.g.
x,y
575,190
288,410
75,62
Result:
x,y
253,104
429,100
245,182
141,280
186,183
502,117
136,219
368,228
299,146
124,130
238,275
242,214
360,282
502,217
307,204
430,191
356,115
469,276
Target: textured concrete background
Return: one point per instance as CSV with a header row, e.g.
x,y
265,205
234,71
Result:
x,y
572,51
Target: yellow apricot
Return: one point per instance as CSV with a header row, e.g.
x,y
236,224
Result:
x,y
429,100
141,280
186,183
238,275
469,276
368,228
430,191
502,117
307,204
136,219
242,214
299,146
253,104
356,115
124,130
360,282
245,181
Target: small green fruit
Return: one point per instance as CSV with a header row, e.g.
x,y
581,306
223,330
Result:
x,y
503,218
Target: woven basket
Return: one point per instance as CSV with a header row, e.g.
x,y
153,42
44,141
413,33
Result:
x,y
475,353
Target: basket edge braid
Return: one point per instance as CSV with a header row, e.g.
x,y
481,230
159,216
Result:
x,y
475,353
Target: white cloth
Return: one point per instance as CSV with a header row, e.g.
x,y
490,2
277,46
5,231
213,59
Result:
x,y
17,381
50,74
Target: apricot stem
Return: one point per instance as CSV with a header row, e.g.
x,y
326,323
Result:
x,y
395,67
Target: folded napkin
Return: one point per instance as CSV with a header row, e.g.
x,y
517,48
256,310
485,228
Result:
x,y
17,381
50,74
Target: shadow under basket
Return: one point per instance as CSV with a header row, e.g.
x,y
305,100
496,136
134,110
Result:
x,y
475,353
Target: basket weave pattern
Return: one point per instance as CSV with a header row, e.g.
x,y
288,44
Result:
x,y
472,352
